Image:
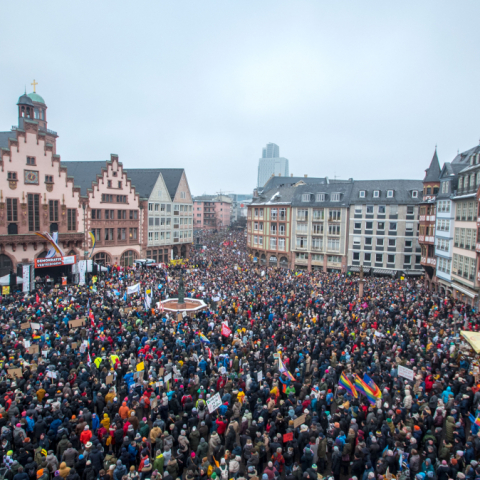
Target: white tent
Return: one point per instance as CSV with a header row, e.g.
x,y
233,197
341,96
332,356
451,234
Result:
x,y
6,280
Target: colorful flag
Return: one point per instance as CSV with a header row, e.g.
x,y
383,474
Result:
x,y
283,369
373,386
364,389
209,352
92,236
203,338
347,385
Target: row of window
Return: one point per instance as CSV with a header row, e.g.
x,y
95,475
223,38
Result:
x,y
321,197
443,225
444,265
33,212
167,207
318,257
467,181
367,257
465,238
392,226
333,244
275,214
382,209
465,211
160,221
154,236
443,244
333,215
108,198
158,256
109,234
443,205
98,213
464,266
381,242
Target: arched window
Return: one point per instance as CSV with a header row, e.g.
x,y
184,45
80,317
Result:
x,y
127,258
284,262
5,265
72,252
102,258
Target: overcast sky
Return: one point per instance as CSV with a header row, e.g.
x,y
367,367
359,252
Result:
x,y
361,89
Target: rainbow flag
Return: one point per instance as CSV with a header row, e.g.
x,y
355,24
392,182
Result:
x,y
283,369
203,338
347,385
477,422
373,386
364,389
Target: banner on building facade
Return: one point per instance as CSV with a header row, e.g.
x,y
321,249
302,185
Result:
x,y
26,277
55,261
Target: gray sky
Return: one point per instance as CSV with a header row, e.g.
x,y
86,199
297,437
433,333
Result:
x,y
346,88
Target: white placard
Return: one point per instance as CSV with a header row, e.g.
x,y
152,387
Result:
x,y
405,373
214,402
52,374
260,376
35,326
167,377
82,268
26,343
26,278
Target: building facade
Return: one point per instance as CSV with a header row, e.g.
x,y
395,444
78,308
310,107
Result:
x,y
383,231
212,212
41,193
271,164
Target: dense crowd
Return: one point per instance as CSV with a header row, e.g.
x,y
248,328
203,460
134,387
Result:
x,y
129,394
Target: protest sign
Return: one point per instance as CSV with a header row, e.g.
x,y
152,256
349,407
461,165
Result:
x,y
214,402
259,376
74,345
167,377
78,322
140,366
35,326
287,437
405,373
33,349
299,421
14,372
25,325
109,379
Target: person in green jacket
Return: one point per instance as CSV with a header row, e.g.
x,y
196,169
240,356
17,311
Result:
x,y
158,463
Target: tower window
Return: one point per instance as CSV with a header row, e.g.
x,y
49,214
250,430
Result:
x,y
30,160
109,183
48,178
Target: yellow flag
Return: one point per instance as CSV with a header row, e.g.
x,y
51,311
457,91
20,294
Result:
x,y
140,366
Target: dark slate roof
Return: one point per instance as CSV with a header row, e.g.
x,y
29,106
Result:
x,y
402,192
432,173
204,198
84,173
275,182
144,179
4,136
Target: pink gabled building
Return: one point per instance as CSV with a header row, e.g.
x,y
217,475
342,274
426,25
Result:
x,y
212,211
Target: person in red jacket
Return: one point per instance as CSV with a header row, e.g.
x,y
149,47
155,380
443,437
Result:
x,y
221,425
86,435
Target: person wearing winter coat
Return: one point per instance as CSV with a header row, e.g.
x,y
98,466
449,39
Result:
x,y
96,457
172,467
336,463
159,462
119,471
202,449
213,443
51,462
64,470
89,472
443,471
194,439
234,466
73,475
70,455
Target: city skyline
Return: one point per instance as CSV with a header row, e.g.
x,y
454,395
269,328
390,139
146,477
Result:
x,y
363,92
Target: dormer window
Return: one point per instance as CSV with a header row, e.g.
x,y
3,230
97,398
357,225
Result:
x,y
376,194
362,194
460,183
306,197
320,197
389,193
415,194
335,197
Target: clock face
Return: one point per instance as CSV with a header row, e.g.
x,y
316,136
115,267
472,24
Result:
x,y
31,177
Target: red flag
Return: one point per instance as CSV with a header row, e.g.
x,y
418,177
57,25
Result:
x,y
92,318
226,331
37,299
209,352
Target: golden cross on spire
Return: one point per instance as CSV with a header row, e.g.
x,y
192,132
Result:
x,y
34,85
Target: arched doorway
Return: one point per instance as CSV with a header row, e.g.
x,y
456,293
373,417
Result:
x,y
284,262
183,251
53,227
272,261
5,265
12,229
102,258
263,259
127,258
175,251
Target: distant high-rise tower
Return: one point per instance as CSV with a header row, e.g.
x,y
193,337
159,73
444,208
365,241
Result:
x,y
271,164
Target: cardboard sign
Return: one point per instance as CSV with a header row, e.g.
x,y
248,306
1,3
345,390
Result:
x,y
109,380
153,403
214,402
299,421
14,372
405,373
74,345
35,326
127,309
33,349
287,437
79,322
161,372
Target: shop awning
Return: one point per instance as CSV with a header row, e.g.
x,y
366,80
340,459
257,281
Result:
x,y
414,272
383,271
357,269
473,338
464,290
354,269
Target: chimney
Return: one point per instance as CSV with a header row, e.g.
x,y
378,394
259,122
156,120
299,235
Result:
x,y
291,174
305,175
279,174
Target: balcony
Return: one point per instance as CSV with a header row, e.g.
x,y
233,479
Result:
x,y
422,218
428,261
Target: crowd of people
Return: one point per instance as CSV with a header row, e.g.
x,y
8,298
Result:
x,y
132,394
